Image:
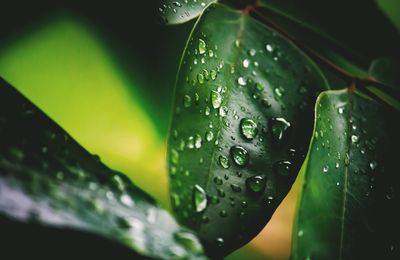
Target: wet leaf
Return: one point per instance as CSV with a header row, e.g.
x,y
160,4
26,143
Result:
x,y
180,11
350,197
236,149
48,181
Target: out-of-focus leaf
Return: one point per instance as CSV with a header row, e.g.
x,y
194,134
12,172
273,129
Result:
x,y
347,24
386,70
241,125
180,11
46,177
349,207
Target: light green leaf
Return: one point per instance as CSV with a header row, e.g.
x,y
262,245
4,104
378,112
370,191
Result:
x,y
47,178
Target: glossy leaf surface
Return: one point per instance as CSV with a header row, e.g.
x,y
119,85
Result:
x,y
241,125
349,207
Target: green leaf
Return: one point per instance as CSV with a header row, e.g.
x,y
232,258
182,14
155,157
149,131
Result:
x,y
350,196
48,179
180,11
241,125
349,25
386,70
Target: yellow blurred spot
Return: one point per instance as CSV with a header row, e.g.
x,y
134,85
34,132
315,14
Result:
x,y
66,71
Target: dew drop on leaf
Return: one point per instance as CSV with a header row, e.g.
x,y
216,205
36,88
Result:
x,y
278,128
248,128
282,167
216,99
223,161
256,183
199,198
239,155
201,46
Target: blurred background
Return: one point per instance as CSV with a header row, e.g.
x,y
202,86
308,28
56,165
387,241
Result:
x,y
105,72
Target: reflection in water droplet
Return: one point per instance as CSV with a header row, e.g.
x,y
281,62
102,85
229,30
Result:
x,y
239,155
373,165
278,127
248,128
219,241
216,99
224,161
201,46
256,183
199,198
187,101
282,167
188,241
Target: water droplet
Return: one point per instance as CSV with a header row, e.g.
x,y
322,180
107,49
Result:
x,y
279,91
216,99
223,110
176,200
325,169
213,74
236,188
340,110
256,183
223,213
201,46
126,200
174,156
197,141
269,48
200,78
354,139
224,161
207,111
282,167
246,63
248,128
373,165
188,241
237,43
259,87
199,198
337,165
239,155
242,81
187,101
252,52
177,4
300,233
219,241
278,128
190,142
209,136
218,180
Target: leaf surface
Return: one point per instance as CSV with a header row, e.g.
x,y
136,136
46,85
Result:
x,y
241,125
350,195
49,182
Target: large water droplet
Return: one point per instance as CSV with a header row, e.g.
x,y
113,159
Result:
x,y
216,99
256,183
199,198
282,167
201,46
239,155
248,128
278,127
223,161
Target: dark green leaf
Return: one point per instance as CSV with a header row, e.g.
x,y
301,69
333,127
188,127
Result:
x,y
349,207
241,126
356,28
386,70
48,179
180,11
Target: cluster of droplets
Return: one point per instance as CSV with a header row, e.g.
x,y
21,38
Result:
x,y
182,8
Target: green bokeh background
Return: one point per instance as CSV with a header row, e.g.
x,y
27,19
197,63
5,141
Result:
x,y
110,87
